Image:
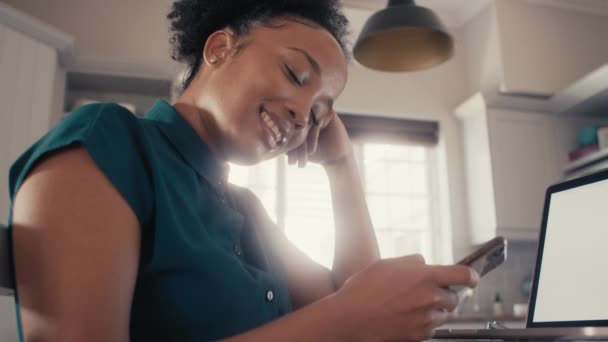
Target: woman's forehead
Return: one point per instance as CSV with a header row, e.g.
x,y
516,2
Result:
x,y
300,36
300,33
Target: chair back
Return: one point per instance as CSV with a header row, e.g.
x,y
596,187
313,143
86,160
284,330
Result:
x,y
7,283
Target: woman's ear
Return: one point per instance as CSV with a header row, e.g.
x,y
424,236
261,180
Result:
x,y
218,47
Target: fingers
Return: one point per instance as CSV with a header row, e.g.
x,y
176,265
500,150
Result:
x,y
417,258
430,297
412,258
455,275
431,318
445,300
439,317
292,157
302,155
443,276
313,139
425,322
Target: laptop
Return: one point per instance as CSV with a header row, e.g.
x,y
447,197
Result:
x,y
569,298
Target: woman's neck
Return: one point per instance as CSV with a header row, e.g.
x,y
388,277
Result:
x,y
203,124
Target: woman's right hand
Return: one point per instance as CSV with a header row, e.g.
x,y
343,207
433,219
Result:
x,y
401,299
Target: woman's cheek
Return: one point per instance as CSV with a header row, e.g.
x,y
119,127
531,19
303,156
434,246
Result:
x,y
298,139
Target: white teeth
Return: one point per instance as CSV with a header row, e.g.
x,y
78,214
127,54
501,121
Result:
x,y
275,130
278,137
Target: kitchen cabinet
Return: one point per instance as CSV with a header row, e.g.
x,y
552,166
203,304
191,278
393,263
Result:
x,y
511,157
524,157
545,46
539,55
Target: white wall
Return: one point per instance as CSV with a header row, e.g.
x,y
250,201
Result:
x,y
117,35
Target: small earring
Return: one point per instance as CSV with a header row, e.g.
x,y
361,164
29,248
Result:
x,y
213,60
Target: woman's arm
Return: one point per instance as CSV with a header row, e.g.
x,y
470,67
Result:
x,y
399,299
355,242
76,247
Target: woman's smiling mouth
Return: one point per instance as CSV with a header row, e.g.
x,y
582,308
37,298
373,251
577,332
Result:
x,y
275,136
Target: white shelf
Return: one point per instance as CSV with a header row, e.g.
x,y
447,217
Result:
x,y
586,97
587,160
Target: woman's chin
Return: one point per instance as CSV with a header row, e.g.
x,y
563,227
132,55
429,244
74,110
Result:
x,y
250,156
254,153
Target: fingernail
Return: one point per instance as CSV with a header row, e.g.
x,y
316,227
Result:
x,y
439,316
474,276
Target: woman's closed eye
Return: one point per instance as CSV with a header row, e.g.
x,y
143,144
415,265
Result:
x,y
313,118
292,76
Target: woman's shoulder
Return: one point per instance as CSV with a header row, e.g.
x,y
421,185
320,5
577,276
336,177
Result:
x,y
107,131
115,140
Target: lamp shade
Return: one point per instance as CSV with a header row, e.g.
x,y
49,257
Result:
x,y
403,37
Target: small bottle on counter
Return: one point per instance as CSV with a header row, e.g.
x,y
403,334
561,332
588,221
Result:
x,y
497,306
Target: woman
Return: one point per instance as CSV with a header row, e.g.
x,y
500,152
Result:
x,y
125,229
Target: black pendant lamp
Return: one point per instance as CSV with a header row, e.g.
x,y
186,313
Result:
x,y
403,37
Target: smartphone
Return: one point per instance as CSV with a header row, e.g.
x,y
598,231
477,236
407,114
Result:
x,y
486,258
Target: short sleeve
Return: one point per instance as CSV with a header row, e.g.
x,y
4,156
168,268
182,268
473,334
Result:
x,y
115,140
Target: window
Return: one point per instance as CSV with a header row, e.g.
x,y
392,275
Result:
x,y
398,187
261,179
399,197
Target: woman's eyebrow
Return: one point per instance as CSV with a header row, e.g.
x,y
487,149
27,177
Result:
x,y
313,63
315,66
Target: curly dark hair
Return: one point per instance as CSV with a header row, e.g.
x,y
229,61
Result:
x,y
193,21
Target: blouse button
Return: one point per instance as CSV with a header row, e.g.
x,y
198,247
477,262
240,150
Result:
x,y
269,296
238,250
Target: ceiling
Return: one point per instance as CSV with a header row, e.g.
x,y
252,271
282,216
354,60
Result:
x,y
453,13
599,7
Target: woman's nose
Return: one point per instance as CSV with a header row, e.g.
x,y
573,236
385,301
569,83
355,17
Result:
x,y
299,120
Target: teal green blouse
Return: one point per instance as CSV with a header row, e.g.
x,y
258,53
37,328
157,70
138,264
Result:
x,y
209,265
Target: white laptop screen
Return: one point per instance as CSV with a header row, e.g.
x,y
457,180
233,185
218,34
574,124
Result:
x,y
573,279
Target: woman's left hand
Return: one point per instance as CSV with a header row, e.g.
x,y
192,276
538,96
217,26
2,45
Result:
x,y
327,143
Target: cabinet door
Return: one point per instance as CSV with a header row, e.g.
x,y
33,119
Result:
x,y
478,173
26,92
525,163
